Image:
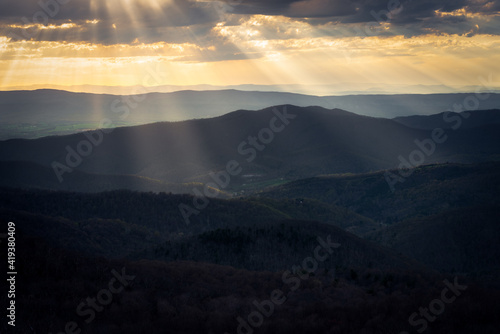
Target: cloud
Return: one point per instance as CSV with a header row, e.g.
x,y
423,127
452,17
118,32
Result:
x,y
361,10
321,8
210,30
149,21
157,12
410,16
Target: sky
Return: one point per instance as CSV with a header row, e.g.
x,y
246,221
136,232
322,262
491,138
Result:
x,y
150,43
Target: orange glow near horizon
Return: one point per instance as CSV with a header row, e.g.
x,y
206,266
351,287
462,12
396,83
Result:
x,y
257,49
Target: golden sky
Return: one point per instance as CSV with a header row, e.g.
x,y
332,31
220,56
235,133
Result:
x,y
283,42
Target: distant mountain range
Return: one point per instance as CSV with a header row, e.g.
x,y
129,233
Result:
x,y
308,142
342,88
33,114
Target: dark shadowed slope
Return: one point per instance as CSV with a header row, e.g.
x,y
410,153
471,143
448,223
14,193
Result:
x,y
463,240
193,298
446,216
464,120
28,175
429,190
244,234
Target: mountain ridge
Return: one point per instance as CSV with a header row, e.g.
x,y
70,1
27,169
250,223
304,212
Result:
x,y
305,142
29,114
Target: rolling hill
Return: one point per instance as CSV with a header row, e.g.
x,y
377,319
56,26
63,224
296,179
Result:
x,y
239,233
445,216
71,244
458,241
430,190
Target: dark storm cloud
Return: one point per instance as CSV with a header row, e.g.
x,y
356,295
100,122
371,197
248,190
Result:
x,y
412,18
293,8
361,10
163,13
162,21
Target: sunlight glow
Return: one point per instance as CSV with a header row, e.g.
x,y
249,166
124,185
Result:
x,y
259,49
